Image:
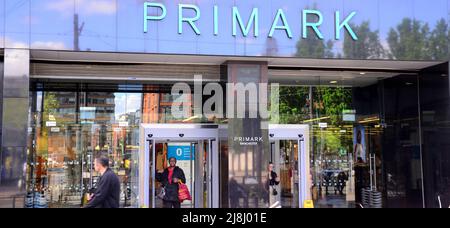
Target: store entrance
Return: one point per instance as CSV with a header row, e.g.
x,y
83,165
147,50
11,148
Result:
x,y
195,148
289,156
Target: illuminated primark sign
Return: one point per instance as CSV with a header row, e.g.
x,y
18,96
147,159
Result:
x,y
309,19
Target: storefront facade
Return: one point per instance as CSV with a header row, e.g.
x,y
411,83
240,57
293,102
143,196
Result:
x,y
362,100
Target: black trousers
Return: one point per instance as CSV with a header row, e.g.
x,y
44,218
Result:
x,y
171,204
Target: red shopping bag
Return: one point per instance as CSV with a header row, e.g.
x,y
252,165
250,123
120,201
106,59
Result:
x,y
183,192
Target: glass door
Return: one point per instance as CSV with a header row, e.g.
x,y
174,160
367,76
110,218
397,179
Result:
x,y
194,155
289,162
193,158
285,163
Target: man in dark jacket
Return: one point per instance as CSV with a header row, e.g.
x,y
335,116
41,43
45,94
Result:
x,y
170,178
107,191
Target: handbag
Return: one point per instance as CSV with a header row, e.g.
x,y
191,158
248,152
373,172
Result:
x,y
162,193
274,191
183,192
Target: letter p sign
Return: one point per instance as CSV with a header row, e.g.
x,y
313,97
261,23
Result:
x,y
147,17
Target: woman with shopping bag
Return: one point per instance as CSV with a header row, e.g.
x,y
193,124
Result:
x,y
172,180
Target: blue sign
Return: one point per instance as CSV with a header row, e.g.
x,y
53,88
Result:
x,y
180,152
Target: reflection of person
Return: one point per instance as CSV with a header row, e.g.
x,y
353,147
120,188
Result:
x,y
107,192
236,192
359,150
170,178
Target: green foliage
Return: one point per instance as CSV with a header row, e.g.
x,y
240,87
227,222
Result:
x,y
50,102
335,100
413,40
368,45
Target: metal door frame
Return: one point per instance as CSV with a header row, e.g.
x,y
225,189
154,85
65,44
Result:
x,y
154,133
300,133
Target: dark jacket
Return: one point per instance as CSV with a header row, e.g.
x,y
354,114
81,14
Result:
x,y
171,189
271,180
107,192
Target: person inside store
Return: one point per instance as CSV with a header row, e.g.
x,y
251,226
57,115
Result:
x,y
271,185
107,191
360,174
170,179
342,182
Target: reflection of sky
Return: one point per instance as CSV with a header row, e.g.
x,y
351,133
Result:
x,y
111,27
126,103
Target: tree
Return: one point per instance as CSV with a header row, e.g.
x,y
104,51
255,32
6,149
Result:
x,y
368,45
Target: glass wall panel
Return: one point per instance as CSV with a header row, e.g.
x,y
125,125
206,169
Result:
x,y
362,133
434,99
410,32
73,123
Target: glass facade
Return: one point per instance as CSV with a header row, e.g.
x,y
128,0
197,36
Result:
x,y
415,30
380,127
375,125
71,124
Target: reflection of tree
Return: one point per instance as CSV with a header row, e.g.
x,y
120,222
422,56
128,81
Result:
x,y
368,45
50,107
51,103
408,41
438,41
312,46
413,40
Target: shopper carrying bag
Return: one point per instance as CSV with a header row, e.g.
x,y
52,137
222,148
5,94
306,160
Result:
x,y
170,179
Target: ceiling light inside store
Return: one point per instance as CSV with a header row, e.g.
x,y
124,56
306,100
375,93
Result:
x,y
333,82
316,119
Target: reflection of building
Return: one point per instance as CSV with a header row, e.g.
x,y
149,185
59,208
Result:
x,y
67,135
157,107
271,47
